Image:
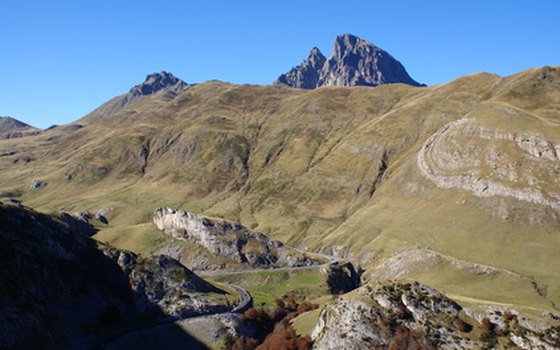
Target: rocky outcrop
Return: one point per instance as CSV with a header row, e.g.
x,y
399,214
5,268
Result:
x,y
229,240
412,315
449,163
156,83
353,62
38,185
62,290
163,282
341,277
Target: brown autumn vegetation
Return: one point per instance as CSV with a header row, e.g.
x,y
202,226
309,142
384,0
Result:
x,y
273,331
405,338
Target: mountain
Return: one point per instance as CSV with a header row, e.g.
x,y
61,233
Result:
x,y
13,128
353,62
11,124
455,186
156,83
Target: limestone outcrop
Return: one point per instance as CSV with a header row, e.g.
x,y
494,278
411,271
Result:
x,y
494,166
412,315
230,240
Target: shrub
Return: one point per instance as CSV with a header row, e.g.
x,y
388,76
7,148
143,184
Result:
x,y
274,329
284,337
244,343
486,327
462,326
407,339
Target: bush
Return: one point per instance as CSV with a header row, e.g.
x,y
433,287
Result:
x,y
244,343
273,331
407,339
462,326
284,337
486,327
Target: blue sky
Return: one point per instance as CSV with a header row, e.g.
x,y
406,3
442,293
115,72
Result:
x,y
61,59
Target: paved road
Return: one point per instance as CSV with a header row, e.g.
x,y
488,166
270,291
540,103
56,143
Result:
x,y
246,300
245,303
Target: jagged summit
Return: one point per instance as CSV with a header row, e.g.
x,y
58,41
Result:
x,y
307,74
156,83
353,62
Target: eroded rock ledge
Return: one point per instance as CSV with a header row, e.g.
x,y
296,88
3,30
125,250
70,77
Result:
x,y
230,240
487,171
412,315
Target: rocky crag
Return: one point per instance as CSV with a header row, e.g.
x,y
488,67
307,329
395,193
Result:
x,y
156,83
229,240
353,62
61,289
414,316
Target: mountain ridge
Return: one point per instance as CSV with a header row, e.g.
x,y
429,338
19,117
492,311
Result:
x,y
331,170
353,62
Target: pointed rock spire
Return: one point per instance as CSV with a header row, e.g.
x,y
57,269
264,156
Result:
x,y
306,75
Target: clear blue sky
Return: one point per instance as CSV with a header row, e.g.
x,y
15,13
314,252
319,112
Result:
x,y
61,59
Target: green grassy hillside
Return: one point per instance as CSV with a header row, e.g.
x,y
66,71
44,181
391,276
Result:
x,y
335,170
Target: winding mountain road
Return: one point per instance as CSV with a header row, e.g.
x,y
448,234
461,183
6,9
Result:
x,y
245,303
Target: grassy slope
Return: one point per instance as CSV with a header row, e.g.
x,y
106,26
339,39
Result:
x,y
266,286
306,167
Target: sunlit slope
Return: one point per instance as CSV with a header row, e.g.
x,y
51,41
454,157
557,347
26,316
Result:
x,y
359,172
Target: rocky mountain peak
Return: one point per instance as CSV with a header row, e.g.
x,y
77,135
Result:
x,y
306,75
353,62
158,81
316,55
348,44
162,82
349,41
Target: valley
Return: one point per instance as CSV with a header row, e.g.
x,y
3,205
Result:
x,y
401,211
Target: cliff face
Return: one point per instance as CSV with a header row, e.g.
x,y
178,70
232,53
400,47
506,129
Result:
x,y
353,62
231,241
413,315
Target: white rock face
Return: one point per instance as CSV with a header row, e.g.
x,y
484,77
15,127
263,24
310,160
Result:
x,y
378,314
371,320
185,225
444,160
230,240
